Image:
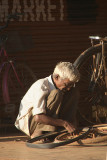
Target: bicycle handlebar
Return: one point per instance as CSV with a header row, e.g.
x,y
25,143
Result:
x,y
11,16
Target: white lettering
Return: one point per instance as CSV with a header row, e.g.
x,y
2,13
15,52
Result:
x,y
28,10
40,10
34,10
3,10
16,6
61,10
50,7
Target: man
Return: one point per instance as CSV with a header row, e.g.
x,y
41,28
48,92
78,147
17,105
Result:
x,y
50,103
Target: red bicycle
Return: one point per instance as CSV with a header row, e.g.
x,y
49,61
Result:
x,y
15,79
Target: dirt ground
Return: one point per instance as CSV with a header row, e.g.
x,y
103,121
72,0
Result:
x,y
13,147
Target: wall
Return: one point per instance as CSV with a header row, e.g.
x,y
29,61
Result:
x,y
52,30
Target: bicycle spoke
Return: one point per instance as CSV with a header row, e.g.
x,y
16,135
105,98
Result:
x,y
91,87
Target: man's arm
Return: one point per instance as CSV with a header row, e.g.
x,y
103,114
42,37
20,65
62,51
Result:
x,y
42,118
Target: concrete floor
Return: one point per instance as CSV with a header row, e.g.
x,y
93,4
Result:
x,y
12,147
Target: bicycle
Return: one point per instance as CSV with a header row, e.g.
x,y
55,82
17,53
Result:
x,y
92,64
83,136
60,142
15,79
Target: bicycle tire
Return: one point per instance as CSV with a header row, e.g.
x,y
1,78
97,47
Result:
x,y
100,132
88,100
57,144
97,140
97,130
12,89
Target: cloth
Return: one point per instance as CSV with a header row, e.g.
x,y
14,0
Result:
x,y
35,101
59,105
52,109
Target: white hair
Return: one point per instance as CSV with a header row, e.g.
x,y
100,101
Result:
x,y
67,70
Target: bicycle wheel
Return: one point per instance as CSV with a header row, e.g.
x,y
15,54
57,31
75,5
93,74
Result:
x,y
100,129
75,136
82,134
16,81
92,105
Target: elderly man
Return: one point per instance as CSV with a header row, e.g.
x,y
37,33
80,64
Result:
x,y
50,103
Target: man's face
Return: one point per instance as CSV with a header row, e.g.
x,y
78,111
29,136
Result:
x,y
64,84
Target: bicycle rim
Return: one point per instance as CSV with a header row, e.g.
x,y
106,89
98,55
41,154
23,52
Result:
x,y
92,108
60,143
12,88
75,136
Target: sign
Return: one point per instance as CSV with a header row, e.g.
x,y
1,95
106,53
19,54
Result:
x,y
34,10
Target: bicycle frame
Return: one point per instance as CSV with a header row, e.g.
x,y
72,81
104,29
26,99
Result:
x,y
104,56
92,65
104,62
7,64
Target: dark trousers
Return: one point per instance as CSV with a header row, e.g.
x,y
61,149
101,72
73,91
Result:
x,y
59,105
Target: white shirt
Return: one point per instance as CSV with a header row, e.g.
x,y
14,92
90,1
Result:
x,y
35,100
